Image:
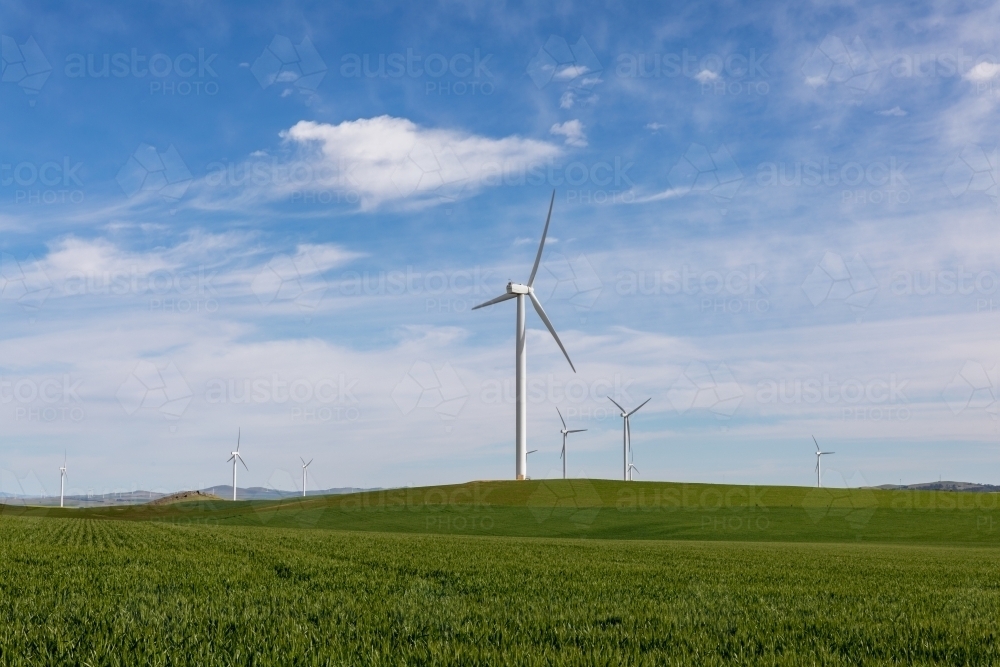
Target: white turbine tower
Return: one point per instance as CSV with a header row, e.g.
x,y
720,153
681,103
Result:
x,y
236,457
62,480
819,464
518,291
565,431
627,438
304,466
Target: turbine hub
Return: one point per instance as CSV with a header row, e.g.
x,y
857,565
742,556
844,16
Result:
x,y
517,288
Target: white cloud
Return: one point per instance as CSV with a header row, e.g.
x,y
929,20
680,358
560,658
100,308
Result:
x,y
984,71
655,127
571,72
566,100
895,111
572,130
705,75
393,160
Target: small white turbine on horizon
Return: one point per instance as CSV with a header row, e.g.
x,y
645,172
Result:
x,y
627,438
566,431
819,464
518,291
62,480
236,456
304,466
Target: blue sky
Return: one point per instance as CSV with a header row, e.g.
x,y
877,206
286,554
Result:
x,y
776,222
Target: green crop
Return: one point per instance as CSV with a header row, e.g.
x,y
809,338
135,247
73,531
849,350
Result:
x,y
155,591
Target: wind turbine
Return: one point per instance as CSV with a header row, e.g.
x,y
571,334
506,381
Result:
x,y
627,437
62,480
304,466
233,458
519,291
526,455
819,464
565,431
631,467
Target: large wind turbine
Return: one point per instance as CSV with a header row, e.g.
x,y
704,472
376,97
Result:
x,y
236,456
565,431
627,437
819,464
304,466
62,480
518,291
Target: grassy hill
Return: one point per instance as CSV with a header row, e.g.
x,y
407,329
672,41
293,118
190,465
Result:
x,y
685,574
604,509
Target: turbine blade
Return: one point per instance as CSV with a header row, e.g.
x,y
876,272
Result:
x,y
532,451
310,463
616,403
303,461
817,444
541,246
579,430
643,403
244,463
828,452
552,330
230,459
502,297
239,432
561,417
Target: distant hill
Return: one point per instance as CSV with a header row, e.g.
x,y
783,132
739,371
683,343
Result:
x,y
184,497
603,509
941,486
140,497
264,493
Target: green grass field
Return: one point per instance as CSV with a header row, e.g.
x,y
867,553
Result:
x,y
579,572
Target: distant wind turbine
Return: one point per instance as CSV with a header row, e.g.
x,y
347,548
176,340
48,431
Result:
x,y
631,467
526,456
518,291
627,437
62,480
236,456
304,466
819,464
565,431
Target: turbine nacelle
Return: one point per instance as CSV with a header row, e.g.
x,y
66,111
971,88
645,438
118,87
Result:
x,y
517,288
